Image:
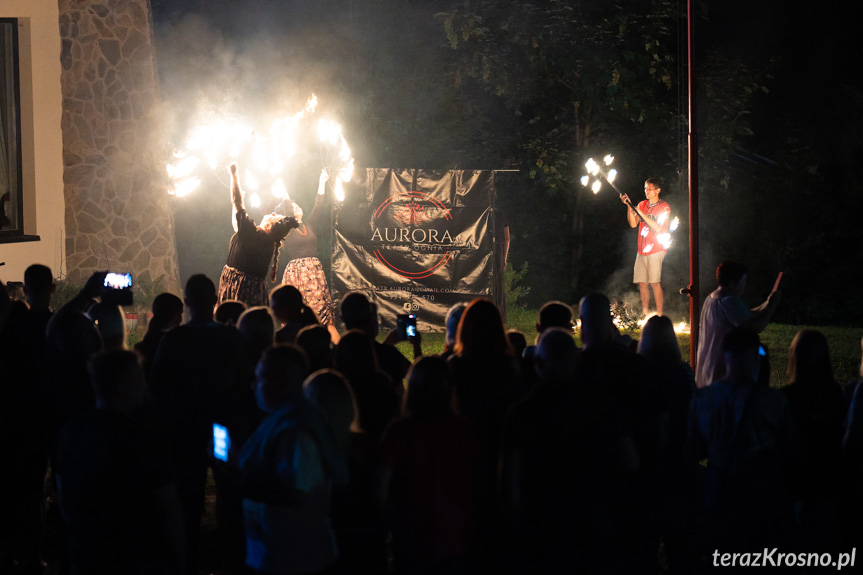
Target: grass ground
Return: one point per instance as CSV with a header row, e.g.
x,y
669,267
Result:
x,y
844,345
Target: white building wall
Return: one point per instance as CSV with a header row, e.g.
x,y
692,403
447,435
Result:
x,y
41,139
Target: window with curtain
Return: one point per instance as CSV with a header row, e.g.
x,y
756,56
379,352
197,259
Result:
x,y
11,208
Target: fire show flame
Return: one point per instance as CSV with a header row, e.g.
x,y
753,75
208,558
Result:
x,y
595,173
624,323
681,327
628,319
593,180
215,144
279,190
664,239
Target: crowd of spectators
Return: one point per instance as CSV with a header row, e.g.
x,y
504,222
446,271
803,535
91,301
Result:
x,y
344,457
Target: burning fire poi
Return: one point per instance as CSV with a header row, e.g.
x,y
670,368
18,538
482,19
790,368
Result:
x,y
593,179
214,145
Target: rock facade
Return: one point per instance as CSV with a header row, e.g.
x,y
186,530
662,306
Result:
x,y
118,213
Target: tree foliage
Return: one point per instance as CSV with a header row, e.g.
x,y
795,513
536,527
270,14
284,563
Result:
x,y
573,73
576,79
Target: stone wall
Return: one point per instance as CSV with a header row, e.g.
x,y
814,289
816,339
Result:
x,y
118,215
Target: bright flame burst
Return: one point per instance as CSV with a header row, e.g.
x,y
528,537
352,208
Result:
x,y
622,322
681,327
663,238
222,141
339,161
596,174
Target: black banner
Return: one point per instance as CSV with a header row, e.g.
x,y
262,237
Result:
x,y
416,241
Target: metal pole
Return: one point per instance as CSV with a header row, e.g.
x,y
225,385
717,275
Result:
x,y
694,296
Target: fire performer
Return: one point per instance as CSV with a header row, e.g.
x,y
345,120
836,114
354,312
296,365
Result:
x,y
253,252
304,270
651,216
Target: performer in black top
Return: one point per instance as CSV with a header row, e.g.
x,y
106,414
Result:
x,y
253,251
304,271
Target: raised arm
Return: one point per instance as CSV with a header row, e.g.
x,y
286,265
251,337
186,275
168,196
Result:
x,y
762,314
84,298
322,182
236,195
313,217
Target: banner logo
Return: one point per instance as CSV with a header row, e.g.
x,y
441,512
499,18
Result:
x,y
412,209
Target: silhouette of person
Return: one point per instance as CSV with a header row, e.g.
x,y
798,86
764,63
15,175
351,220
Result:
x,y
253,252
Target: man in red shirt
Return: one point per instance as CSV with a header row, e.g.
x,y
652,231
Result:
x,y
652,217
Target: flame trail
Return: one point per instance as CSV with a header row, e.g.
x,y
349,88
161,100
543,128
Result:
x,y
224,140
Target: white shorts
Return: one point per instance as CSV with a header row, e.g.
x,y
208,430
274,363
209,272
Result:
x,y
648,269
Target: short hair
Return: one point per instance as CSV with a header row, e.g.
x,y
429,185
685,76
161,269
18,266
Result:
x,y
654,182
318,343
596,322
166,305
557,342
739,340
257,321
229,311
554,314
554,357
356,310
200,291
729,272
286,296
517,341
355,354
593,307
429,389
38,279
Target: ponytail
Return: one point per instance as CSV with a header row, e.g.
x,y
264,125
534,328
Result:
x,y
276,246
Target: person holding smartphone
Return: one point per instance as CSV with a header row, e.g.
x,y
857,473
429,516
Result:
x,y
357,312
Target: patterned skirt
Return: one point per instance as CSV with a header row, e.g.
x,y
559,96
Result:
x,y
307,275
249,289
